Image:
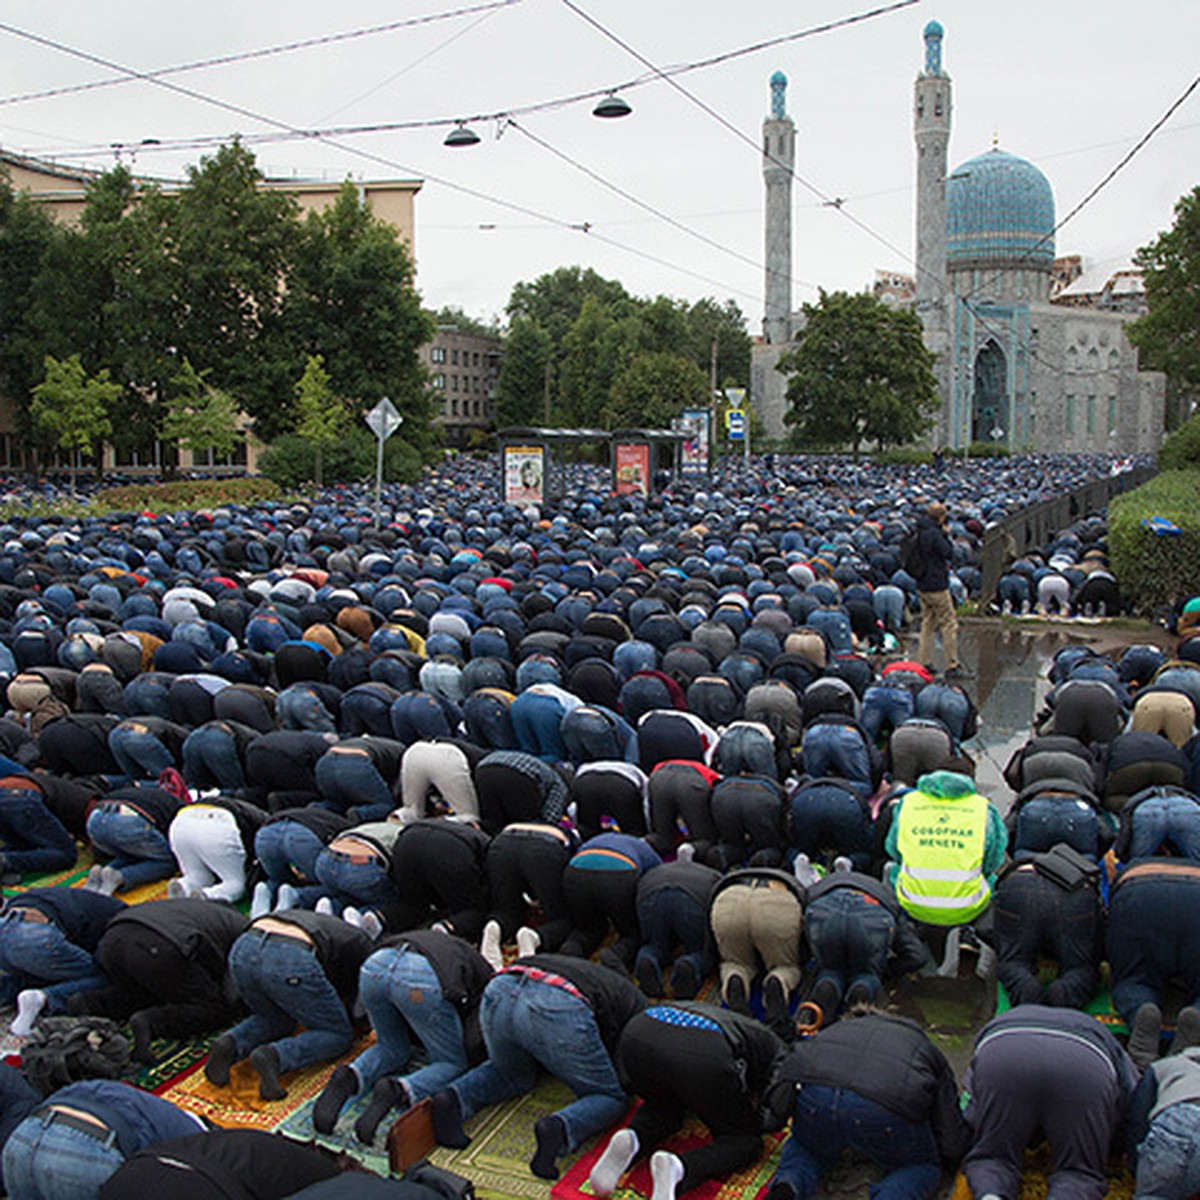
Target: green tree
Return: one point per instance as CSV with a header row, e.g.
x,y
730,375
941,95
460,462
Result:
x,y
523,380
351,299
451,315
555,300
320,415
860,372
598,346
1168,336
653,389
725,324
70,408
199,416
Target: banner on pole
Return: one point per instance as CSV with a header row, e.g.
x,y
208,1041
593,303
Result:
x,y
524,474
695,423
631,463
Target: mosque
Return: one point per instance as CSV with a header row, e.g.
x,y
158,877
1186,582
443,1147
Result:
x,y
1013,366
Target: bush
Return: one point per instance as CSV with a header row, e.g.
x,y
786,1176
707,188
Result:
x,y
1182,449
988,450
290,460
1154,571
184,494
903,456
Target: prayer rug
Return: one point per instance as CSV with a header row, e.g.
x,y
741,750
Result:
x,y
1119,1183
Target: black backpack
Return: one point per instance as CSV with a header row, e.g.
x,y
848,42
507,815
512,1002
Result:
x,y
62,1050
912,559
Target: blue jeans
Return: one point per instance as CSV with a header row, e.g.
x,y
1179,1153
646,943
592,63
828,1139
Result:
x,y
34,839
1044,821
359,882
1159,819
745,750
287,852
135,845
350,780
827,818
593,734
537,723
298,707
527,1023
828,1120
33,955
850,935
948,705
54,1162
403,998
834,625
210,759
831,749
1169,1157
282,983
139,755
147,696
883,705
888,602
670,917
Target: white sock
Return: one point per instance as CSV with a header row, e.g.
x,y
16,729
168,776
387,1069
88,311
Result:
x,y
111,880
666,1170
842,863
685,852
324,905
352,916
621,1150
176,889
372,924
29,1007
489,946
286,897
528,941
95,878
260,902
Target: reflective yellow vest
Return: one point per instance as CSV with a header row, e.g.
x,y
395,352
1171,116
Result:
x,y
941,845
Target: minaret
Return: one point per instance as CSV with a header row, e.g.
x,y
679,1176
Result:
x,y
931,130
779,157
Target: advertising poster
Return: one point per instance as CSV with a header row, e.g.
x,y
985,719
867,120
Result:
x,y
632,469
524,474
695,450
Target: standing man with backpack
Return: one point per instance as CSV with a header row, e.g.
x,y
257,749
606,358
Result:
x,y
927,556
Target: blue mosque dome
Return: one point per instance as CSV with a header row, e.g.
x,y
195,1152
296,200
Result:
x,y
999,212
779,77
934,29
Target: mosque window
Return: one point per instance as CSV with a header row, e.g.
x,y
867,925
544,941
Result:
x,y
920,106
1114,359
1091,414
1070,415
937,105
1072,359
1093,359
1112,415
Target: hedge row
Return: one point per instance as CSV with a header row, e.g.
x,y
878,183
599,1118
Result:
x,y
1155,570
184,494
1182,449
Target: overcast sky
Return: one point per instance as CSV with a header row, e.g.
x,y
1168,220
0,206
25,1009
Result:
x,y
1070,84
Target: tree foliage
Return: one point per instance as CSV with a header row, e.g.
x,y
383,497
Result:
x,y
574,335
320,415
653,389
199,416
70,407
1168,336
860,373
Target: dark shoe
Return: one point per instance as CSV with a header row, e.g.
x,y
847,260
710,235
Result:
x,y
143,1035
649,976
265,1061
735,996
221,1056
446,1113
609,958
342,1085
775,1003
1146,1035
685,983
858,994
1187,1030
828,999
960,672
387,1094
551,1135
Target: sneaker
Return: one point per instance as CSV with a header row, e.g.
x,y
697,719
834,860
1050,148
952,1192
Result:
x,y
265,1061
1146,1035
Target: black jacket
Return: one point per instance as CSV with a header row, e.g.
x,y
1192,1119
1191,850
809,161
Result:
x,y
613,998
937,553
202,930
887,1060
693,878
82,916
156,804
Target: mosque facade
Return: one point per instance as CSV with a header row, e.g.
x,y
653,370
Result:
x,y
1013,366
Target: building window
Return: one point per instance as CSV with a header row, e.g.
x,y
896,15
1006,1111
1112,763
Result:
x,y
475,359
1070,415
439,381
454,408
454,383
1091,414
1112,415
209,458
454,358
438,354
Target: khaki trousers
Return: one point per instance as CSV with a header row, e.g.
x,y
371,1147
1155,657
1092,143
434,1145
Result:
x,y
938,616
758,922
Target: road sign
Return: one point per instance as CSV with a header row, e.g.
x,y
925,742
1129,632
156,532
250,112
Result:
x,y
384,419
735,423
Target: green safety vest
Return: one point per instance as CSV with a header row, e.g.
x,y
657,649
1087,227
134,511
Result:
x,y
941,845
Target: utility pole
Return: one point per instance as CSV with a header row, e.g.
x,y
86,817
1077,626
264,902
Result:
x,y
712,403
